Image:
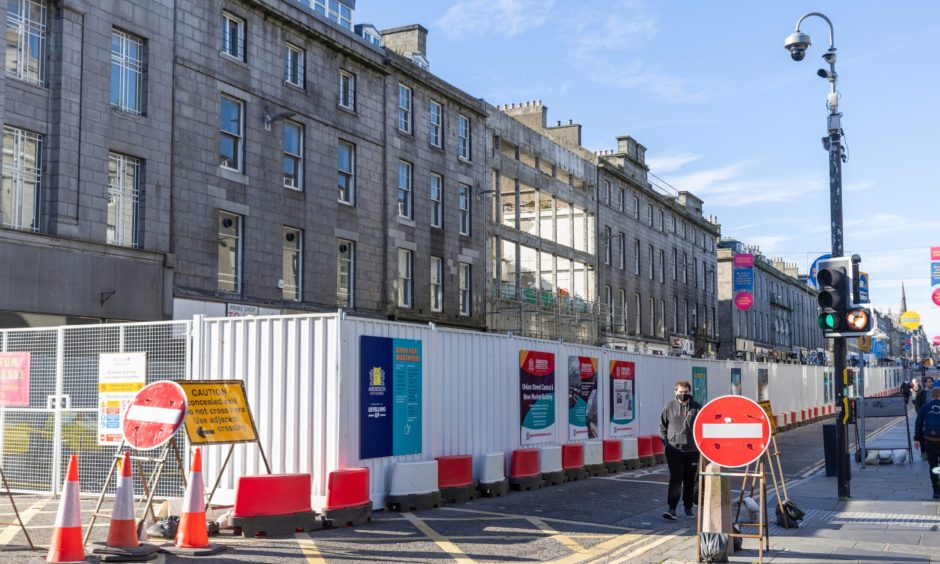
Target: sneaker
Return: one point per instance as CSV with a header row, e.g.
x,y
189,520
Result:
x,y
669,515
689,513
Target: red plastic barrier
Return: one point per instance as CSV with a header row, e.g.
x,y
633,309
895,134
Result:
x,y
815,412
658,446
347,488
454,471
613,450
794,417
572,455
803,414
274,494
525,463
644,446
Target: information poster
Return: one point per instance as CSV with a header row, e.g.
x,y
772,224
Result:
x,y
622,398
14,379
827,386
736,382
390,419
700,384
536,396
763,385
582,398
120,377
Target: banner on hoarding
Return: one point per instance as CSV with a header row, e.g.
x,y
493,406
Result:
x,y
622,398
736,382
536,396
582,398
14,379
120,377
700,384
390,419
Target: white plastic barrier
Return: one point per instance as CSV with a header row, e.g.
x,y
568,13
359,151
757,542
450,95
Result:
x,y
409,478
630,450
550,459
491,468
593,453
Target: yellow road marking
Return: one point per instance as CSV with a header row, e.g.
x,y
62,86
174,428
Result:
x,y
546,519
309,548
8,533
646,548
564,539
450,548
600,549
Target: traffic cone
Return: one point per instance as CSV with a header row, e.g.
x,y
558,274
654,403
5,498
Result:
x,y
192,536
66,544
123,530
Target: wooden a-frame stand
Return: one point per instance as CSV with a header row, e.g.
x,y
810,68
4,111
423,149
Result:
x,y
149,483
19,520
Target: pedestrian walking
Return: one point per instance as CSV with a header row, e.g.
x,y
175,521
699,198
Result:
x,y
675,430
927,435
906,391
917,391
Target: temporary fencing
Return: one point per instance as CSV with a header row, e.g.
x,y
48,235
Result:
x,y
302,377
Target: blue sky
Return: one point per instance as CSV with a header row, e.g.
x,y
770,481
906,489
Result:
x,y
725,113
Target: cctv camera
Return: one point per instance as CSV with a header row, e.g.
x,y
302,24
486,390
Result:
x,y
830,57
823,73
797,43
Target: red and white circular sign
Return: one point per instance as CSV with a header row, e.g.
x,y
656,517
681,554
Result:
x,y
157,412
732,431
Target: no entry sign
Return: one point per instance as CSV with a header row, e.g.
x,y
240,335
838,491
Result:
x,y
732,431
155,415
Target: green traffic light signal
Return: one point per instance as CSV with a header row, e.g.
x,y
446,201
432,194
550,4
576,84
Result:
x,y
827,321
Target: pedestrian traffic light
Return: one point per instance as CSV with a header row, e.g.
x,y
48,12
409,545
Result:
x,y
839,315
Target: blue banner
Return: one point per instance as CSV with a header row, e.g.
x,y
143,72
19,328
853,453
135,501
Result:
x,y
743,279
390,419
934,273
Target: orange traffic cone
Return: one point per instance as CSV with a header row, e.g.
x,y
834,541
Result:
x,y
66,544
192,536
123,530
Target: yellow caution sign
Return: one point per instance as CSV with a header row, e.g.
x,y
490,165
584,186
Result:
x,y
218,412
765,405
864,344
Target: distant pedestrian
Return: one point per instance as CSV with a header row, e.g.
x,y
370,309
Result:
x,y
675,430
906,391
920,396
927,434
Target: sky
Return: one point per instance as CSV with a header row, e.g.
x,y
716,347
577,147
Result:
x,y
726,114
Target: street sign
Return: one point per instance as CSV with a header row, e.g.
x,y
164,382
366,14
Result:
x,y
154,416
218,412
910,319
814,268
936,296
769,411
863,288
864,344
732,431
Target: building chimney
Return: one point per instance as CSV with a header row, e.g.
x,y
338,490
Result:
x,y
408,41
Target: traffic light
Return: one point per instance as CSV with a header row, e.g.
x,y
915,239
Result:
x,y
839,315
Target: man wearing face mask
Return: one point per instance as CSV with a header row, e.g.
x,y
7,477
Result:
x,y
675,430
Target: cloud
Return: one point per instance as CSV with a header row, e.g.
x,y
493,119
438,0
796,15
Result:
x,y
769,244
883,224
507,18
858,186
664,163
729,186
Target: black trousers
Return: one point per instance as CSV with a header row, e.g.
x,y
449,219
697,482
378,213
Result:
x,y
683,470
932,450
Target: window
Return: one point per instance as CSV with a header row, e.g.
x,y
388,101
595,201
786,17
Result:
x,y
675,264
685,268
437,198
694,273
649,214
662,265
636,207
463,206
662,221
619,200
463,137
675,315
652,305
230,251
346,273
231,133
685,320
346,172
435,124
293,155
22,169
622,250
123,196
606,193
607,243
233,36
404,277
651,254
26,40
404,108
404,189
636,256
294,60
674,226
464,283
608,307
292,260
622,319
437,284
661,325
347,90
636,314
126,71
333,10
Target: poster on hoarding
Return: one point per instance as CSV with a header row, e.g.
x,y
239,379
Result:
x,y
736,382
622,398
582,398
700,384
537,396
390,395
120,377
763,385
14,379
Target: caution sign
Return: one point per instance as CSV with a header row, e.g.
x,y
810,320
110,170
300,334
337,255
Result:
x,y
218,412
765,405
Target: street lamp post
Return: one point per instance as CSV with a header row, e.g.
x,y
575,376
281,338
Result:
x,y
797,43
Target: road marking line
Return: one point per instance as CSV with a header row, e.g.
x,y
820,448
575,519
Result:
x,y
450,548
647,548
562,538
10,531
309,549
546,519
601,549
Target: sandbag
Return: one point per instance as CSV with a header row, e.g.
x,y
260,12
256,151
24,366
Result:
x,y
899,456
714,547
885,457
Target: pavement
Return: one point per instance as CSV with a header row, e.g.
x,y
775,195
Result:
x,y
890,518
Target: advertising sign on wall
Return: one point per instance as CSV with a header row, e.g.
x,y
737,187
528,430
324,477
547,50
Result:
x,y
582,397
536,396
700,384
390,422
736,381
622,398
743,280
120,377
763,385
14,379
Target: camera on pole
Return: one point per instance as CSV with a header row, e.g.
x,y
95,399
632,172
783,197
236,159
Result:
x,y
840,314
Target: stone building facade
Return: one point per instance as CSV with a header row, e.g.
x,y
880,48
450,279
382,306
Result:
x,y
782,323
